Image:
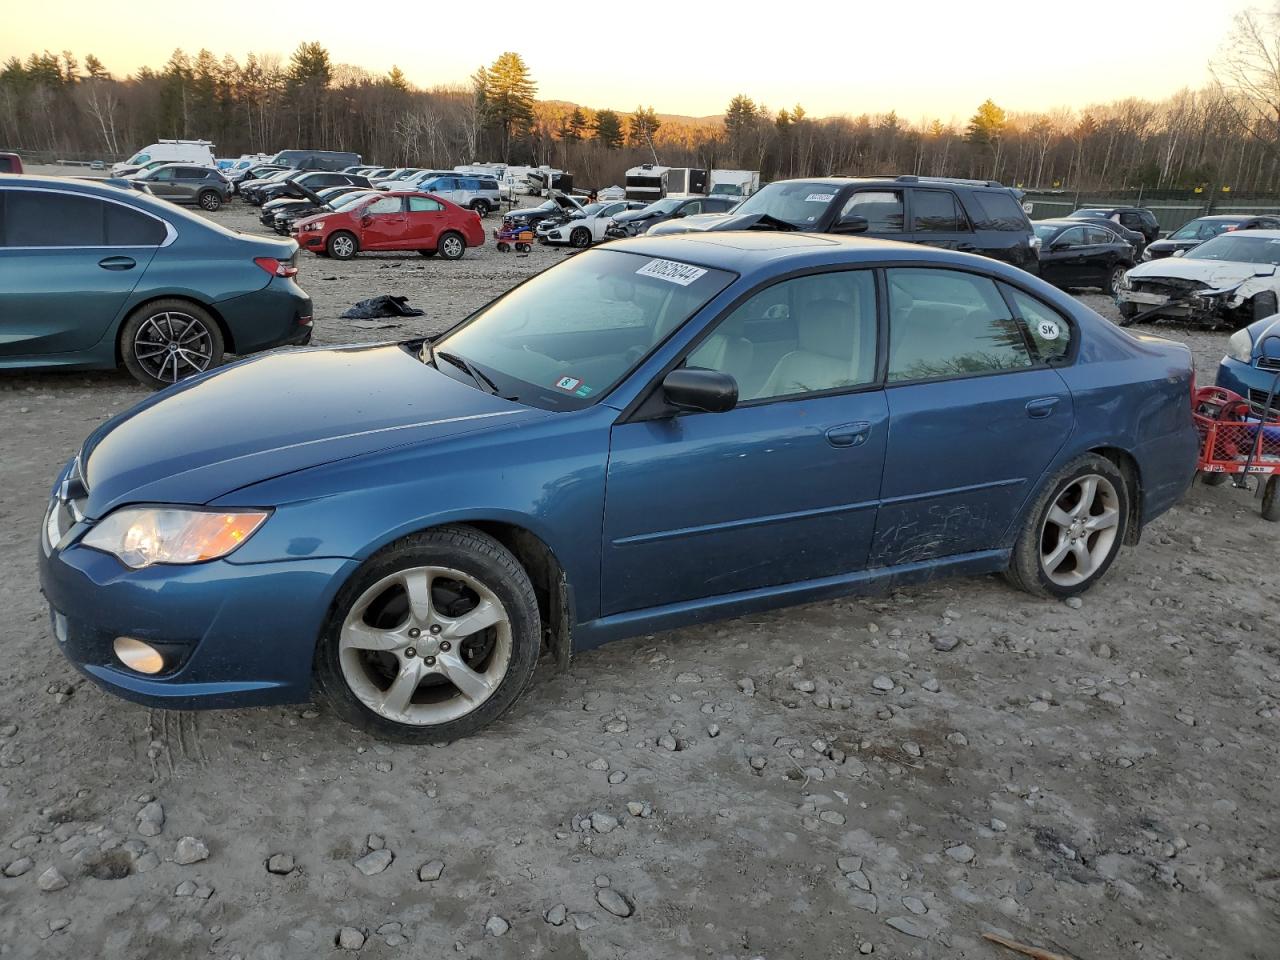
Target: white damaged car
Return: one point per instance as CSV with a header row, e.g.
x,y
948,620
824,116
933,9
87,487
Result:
x,y
1231,280
585,227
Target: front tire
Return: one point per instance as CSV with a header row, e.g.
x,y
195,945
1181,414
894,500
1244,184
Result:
x,y
169,340
342,245
1073,531
432,639
210,201
580,237
1271,498
451,246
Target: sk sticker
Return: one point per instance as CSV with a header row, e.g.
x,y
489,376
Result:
x,y
1048,330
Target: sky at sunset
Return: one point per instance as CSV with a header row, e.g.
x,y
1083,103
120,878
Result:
x,y
925,59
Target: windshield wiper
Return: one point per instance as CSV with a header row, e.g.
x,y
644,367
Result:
x,y
474,373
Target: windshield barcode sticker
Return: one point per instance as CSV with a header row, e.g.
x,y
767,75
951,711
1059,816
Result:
x,y
819,198
671,271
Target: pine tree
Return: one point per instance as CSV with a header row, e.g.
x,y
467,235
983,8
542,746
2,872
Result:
x,y
608,130
508,92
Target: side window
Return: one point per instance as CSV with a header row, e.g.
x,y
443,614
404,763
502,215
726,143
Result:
x,y
1131,220
1075,237
1095,235
164,173
799,336
689,209
882,208
384,205
944,323
934,211
424,205
129,228
45,219
1048,328
997,210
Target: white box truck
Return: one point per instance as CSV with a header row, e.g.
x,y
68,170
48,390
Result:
x,y
734,183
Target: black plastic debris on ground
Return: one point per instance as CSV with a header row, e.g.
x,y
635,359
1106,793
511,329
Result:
x,y
375,308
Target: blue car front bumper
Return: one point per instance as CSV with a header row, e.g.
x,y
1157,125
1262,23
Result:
x,y
233,635
1250,381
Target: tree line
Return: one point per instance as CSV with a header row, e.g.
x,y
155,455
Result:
x,y
1226,135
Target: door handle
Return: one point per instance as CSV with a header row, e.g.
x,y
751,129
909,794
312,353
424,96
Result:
x,y
117,263
1039,409
849,434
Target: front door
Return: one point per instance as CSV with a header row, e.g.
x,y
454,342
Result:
x,y
68,264
1062,262
384,224
784,487
976,414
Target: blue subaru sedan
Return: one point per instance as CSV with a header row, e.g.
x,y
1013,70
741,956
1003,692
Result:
x,y
660,432
93,276
1252,362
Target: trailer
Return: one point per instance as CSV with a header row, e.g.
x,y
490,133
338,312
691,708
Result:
x,y
687,182
647,182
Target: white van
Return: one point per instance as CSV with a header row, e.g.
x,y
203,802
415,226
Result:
x,y
196,152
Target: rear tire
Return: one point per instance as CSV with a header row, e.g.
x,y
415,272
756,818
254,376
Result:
x,y
481,207
210,201
1073,531
342,245
1114,277
1271,499
451,246
433,581
147,336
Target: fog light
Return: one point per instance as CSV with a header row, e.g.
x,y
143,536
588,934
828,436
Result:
x,y
137,655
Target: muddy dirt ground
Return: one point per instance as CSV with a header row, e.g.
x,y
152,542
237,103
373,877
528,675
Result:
x,y
889,776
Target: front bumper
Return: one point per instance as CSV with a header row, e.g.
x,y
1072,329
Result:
x,y
1248,380
234,635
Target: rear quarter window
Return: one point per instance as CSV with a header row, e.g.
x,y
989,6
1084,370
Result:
x,y
998,211
1049,329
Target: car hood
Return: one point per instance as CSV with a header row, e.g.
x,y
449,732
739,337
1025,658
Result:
x,y
716,221
276,414
1216,273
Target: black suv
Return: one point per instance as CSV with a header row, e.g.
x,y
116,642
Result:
x,y
335,160
1138,219
978,216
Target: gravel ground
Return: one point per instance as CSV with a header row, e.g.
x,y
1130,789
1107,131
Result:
x,y
890,776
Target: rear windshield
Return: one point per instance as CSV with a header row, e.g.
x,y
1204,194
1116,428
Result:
x,y
1202,229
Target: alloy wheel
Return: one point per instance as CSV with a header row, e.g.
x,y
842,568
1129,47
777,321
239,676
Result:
x,y
451,247
1079,530
210,201
171,345
343,247
425,645
581,237
1117,275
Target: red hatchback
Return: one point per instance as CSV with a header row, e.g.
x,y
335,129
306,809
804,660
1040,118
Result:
x,y
391,221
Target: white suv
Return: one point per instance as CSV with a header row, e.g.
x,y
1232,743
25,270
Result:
x,y
480,194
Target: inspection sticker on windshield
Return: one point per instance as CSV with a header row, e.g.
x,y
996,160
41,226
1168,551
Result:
x,y
819,198
671,271
1048,330
568,384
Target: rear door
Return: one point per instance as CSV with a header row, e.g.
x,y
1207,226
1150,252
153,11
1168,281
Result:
x,y
427,219
938,220
975,415
68,264
384,224
1062,261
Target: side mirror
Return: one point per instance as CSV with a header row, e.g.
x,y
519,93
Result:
x,y
851,224
1179,253
1058,245
679,215
366,220
709,391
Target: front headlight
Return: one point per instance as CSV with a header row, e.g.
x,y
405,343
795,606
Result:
x,y
1240,346
318,225
141,536
1146,254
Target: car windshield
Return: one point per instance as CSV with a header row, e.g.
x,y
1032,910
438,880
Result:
x,y
591,209
797,202
564,338
354,200
1201,230
1238,248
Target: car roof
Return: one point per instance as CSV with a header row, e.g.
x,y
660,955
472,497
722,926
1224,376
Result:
x,y
1253,234
1228,217
745,251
